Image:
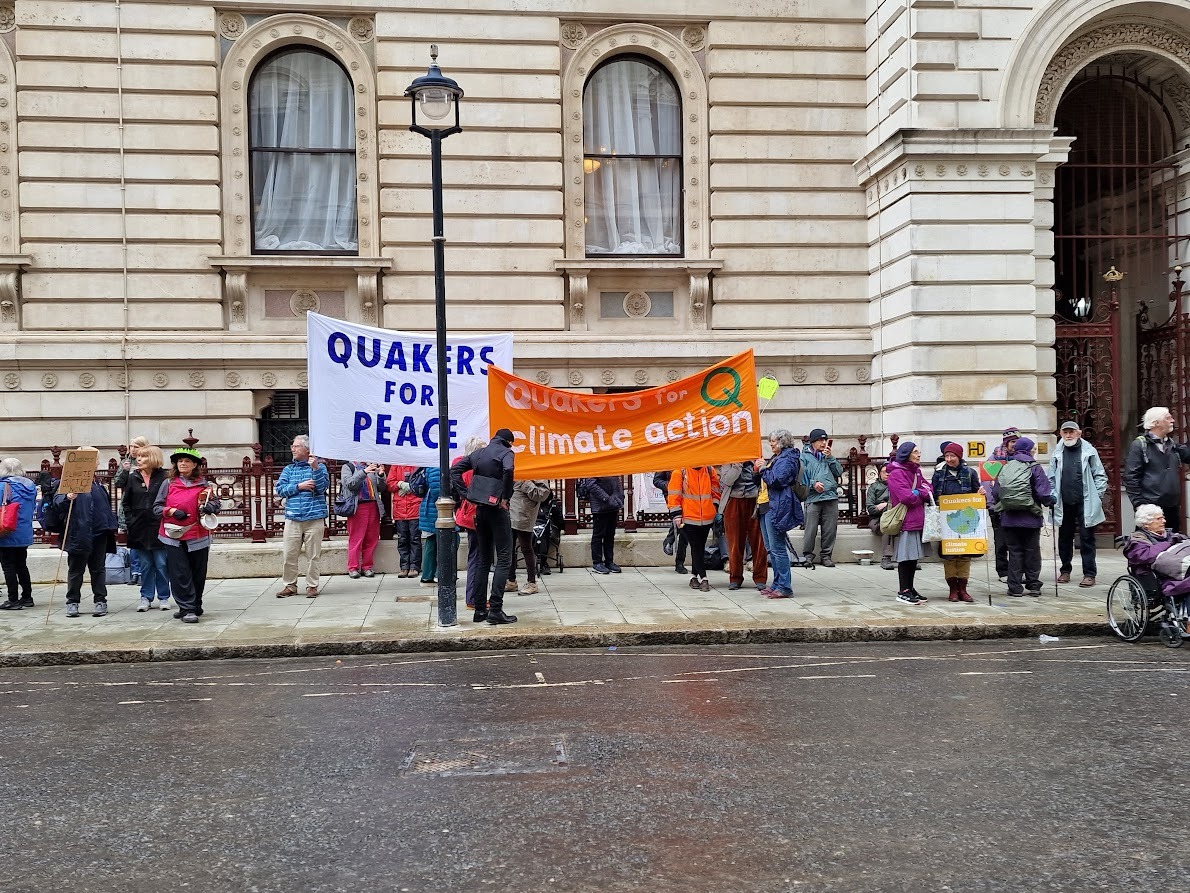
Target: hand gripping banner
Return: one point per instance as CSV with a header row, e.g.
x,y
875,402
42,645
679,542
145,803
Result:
x,y
706,419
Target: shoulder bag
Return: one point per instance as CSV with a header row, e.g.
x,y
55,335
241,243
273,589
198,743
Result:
x,y
892,519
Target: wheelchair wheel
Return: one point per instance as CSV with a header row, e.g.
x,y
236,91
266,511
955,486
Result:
x,y
1170,635
1127,608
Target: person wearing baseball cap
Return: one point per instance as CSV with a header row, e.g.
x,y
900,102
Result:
x,y
1079,481
1000,455
821,473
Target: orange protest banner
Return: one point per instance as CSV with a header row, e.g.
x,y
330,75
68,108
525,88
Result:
x,y
706,419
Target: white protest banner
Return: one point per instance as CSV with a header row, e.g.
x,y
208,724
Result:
x,y
373,392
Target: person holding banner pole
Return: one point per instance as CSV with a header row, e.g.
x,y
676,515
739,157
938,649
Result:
x,y
490,489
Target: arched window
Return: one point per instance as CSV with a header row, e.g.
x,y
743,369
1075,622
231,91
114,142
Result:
x,y
301,142
632,159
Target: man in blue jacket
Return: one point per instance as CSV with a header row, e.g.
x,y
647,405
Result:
x,y
303,484
821,473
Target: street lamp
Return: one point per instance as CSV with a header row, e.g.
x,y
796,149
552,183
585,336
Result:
x,y
437,97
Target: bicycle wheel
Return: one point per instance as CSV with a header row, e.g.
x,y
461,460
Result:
x,y
1127,608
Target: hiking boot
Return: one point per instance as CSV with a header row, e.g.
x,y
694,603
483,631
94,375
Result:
x,y
496,618
100,609
510,586
886,563
72,610
529,589
614,568
311,592
600,568
143,605
1087,582
286,591
1064,577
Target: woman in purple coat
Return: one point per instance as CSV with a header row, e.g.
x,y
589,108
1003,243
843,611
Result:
x,y
907,486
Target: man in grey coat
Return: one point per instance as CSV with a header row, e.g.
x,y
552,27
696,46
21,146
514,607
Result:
x,y
1079,481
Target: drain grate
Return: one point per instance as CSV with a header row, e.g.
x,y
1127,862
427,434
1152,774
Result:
x,y
443,759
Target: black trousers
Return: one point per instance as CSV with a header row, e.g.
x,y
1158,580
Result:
x,y
523,539
493,528
1072,523
1000,541
603,535
696,534
15,561
1024,557
78,562
187,576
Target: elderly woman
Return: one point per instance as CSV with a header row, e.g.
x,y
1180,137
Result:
x,y
784,511
120,482
1147,542
907,487
17,490
365,484
140,491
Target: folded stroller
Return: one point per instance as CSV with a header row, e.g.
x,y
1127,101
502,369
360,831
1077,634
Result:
x,y
547,535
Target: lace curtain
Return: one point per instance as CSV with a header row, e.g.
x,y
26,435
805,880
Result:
x,y
302,139
632,137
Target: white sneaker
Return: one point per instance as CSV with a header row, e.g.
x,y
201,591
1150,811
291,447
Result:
x,y
165,605
143,605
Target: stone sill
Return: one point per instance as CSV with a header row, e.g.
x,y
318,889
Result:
x,y
635,263
266,262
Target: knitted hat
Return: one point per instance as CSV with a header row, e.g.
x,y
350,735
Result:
x,y
185,453
950,446
817,434
505,435
1010,433
904,450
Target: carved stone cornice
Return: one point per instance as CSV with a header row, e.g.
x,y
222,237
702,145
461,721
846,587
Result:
x,y
1110,38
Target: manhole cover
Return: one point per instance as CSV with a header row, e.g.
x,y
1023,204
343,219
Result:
x,y
485,757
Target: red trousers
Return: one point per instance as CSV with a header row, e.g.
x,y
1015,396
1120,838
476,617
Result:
x,y
363,533
741,527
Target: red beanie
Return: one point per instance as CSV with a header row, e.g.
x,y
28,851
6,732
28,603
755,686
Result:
x,y
952,447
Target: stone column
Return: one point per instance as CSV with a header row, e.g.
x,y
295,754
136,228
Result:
x,y
960,283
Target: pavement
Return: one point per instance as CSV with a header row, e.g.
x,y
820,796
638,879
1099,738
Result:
x,y
642,605
875,767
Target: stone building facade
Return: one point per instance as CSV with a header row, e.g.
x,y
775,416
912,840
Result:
x,y
863,191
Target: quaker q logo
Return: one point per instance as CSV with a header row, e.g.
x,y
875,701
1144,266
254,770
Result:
x,y
713,383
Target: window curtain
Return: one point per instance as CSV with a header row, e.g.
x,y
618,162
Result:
x,y
303,199
633,204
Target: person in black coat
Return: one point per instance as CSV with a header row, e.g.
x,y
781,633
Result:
x,y
141,488
490,490
605,497
89,538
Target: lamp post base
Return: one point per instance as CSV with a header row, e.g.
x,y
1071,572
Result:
x,y
448,614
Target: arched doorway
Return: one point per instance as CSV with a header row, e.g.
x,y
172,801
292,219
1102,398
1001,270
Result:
x,y
1117,234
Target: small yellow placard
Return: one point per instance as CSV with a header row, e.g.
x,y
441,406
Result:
x,y
964,524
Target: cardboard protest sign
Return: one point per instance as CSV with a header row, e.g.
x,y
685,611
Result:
x,y
374,392
78,471
706,419
964,524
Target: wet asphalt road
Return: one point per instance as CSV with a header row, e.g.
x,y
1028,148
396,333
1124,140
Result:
x,y
909,766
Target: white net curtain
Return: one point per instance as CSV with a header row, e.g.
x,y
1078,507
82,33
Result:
x,y
632,136
302,142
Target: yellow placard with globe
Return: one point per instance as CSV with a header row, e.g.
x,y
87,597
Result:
x,y
964,524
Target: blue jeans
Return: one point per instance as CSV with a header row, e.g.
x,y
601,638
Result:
x,y
774,542
154,579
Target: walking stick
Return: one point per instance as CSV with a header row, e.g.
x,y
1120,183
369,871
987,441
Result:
x,y
58,570
1054,537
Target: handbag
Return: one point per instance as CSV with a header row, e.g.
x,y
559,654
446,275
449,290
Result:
x,y
892,519
346,503
9,513
485,490
931,531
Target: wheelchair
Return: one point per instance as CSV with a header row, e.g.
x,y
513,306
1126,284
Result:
x,y
1136,604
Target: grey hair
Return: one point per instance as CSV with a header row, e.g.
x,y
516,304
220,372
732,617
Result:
x,y
784,438
1154,415
12,468
1146,514
303,439
474,442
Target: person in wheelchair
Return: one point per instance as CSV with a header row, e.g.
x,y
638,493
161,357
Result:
x,y
1152,549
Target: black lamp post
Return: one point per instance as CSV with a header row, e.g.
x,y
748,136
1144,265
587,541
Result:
x,y
435,101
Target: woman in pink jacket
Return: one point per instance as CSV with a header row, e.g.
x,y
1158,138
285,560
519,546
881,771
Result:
x,y
907,486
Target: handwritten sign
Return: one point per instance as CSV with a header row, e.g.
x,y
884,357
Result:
x,y
78,471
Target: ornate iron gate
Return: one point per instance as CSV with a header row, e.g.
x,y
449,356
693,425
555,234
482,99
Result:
x,y
1116,235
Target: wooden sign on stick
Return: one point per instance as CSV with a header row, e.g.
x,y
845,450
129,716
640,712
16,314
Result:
x,y
78,471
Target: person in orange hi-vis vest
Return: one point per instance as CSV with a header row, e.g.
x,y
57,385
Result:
x,y
693,501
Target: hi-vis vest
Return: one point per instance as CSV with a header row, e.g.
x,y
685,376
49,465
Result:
x,y
693,493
